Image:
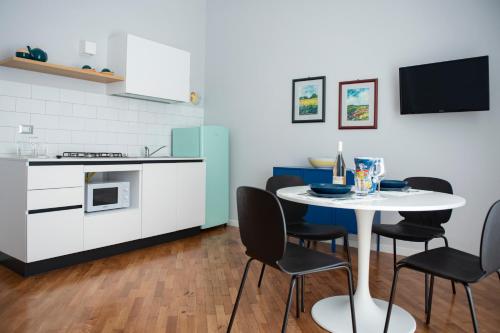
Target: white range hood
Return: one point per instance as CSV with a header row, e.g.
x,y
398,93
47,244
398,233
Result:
x,y
153,71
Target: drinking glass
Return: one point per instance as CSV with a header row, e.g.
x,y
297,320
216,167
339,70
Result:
x,y
378,172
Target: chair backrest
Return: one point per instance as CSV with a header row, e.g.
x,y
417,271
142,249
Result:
x,y
431,218
262,224
294,212
490,240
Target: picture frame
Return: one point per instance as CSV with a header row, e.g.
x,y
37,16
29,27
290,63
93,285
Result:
x,y
308,100
358,104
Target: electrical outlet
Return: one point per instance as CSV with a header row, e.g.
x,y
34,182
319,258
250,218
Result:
x,y
25,129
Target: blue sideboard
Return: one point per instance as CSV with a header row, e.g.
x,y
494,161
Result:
x,y
325,215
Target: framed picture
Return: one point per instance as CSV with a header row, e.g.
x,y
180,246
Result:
x,y
308,100
358,104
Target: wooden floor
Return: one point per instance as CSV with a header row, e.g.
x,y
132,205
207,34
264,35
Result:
x,y
189,286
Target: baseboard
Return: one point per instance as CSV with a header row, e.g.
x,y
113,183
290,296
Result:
x,y
353,242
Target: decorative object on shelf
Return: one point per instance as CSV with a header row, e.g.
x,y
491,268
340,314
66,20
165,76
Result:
x,y
321,162
88,68
358,104
23,53
308,100
106,71
38,54
194,98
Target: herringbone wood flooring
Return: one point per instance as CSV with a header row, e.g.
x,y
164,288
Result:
x,y
191,284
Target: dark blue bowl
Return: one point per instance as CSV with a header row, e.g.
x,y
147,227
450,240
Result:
x,y
326,188
387,183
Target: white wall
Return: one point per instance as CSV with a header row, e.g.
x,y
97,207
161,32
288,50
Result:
x,y
256,48
70,114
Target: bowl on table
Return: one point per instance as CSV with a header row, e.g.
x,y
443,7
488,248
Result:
x,y
389,183
327,188
322,162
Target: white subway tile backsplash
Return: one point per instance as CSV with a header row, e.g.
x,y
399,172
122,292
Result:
x,y
30,105
44,121
15,89
84,111
45,93
71,120
72,96
59,109
107,113
7,103
96,99
13,118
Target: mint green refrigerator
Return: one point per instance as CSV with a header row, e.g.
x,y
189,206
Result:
x,y
212,143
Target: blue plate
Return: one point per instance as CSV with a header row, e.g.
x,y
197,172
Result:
x,y
387,183
395,189
326,188
327,195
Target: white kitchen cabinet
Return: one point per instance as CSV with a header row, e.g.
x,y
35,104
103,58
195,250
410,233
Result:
x,y
55,176
173,197
152,70
54,234
159,199
190,195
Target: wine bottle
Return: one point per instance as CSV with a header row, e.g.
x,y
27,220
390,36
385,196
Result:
x,y
339,169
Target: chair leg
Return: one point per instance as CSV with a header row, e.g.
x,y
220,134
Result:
x,y
302,287
394,253
288,303
378,243
261,275
498,272
426,295
308,244
472,308
297,298
452,282
346,248
391,299
351,298
429,307
240,291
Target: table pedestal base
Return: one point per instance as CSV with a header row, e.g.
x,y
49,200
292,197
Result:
x,y
334,315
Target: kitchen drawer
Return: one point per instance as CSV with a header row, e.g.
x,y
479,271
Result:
x,y
55,176
54,234
55,198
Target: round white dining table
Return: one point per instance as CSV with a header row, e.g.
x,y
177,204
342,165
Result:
x,y
333,313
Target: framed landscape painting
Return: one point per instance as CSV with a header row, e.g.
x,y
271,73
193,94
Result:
x,y
308,100
358,104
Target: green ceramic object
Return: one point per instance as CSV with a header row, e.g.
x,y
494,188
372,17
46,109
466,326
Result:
x,y
105,70
38,54
23,53
86,67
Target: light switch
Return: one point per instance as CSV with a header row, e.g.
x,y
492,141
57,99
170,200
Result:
x,y
88,48
25,129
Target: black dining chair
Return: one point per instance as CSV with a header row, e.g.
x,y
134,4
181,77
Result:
x,y
296,226
419,226
455,265
263,233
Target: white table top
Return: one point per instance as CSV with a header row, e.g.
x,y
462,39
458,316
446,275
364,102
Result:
x,y
387,201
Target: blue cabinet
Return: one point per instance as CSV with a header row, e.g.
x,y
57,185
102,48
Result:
x,y
325,215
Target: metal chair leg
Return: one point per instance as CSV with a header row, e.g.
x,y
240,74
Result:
x,y
308,244
452,282
288,303
394,253
429,307
261,275
426,296
472,308
297,298
240,291
346,248
391,299
302,287
351,298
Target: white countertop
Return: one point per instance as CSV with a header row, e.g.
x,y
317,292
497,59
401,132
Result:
x,y
107,159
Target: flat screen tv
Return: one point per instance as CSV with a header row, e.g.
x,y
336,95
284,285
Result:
x,y
449,86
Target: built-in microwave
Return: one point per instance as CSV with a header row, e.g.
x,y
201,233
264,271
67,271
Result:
x,y
105,196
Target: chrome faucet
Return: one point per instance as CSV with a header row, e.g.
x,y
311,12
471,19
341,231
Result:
x,y
148,154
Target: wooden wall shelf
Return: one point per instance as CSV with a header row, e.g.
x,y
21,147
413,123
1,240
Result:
x,y
73,72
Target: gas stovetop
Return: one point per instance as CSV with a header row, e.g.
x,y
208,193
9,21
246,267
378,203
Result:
x,y
90,155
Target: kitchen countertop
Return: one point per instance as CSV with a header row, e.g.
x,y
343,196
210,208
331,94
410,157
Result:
x,y
99,160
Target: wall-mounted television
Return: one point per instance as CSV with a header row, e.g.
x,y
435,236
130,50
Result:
x,y
449,86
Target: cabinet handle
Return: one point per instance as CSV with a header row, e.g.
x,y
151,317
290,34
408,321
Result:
x,y
55,209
